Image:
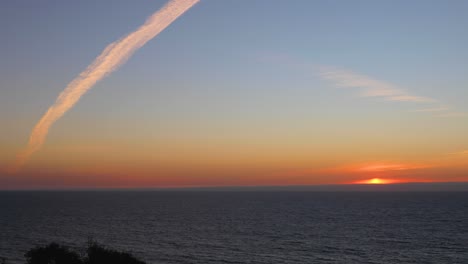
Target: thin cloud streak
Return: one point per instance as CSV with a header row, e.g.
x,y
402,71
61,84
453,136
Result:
x,y
113,56
460,153
382,167
370,87
453,114
431,110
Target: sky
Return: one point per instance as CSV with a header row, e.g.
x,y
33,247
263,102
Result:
x,y
239,93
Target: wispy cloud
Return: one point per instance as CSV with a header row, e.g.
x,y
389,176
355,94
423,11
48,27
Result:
x,y
376,167
381,167
432,110
370,87
113,56
460,153
452,114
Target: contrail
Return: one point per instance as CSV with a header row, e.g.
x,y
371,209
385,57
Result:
x,y
113,56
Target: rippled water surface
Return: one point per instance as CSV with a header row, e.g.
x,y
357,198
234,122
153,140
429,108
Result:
x,y
243,227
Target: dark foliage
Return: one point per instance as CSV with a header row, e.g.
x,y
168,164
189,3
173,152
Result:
x,y
98,254
53,253
95,254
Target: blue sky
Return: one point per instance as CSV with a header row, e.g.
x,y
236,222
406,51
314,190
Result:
x,y
419,44
225,67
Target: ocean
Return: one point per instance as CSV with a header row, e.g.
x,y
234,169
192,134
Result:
x,y
242,226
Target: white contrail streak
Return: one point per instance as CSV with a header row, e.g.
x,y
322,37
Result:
x,y
110,59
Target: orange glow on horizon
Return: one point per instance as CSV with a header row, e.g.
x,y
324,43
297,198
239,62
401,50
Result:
x,y
378,181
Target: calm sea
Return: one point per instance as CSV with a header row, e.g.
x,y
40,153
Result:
x,y
243,227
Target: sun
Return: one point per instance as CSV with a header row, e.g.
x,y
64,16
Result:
x,y
376,181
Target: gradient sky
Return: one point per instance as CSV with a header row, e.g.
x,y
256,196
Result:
x,y
246,92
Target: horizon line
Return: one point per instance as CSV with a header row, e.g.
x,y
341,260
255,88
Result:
x,y
432,186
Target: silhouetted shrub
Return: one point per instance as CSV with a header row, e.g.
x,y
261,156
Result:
x,y
53,253
98,254
95,254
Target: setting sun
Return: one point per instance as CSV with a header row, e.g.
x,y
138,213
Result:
x,y
377,181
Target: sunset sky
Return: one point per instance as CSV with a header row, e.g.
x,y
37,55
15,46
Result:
x,y
234,93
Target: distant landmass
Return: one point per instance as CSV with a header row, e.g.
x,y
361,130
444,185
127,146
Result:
x,y
395,187
399,187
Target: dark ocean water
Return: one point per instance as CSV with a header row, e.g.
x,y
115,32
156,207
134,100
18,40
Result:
x,y
243,227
